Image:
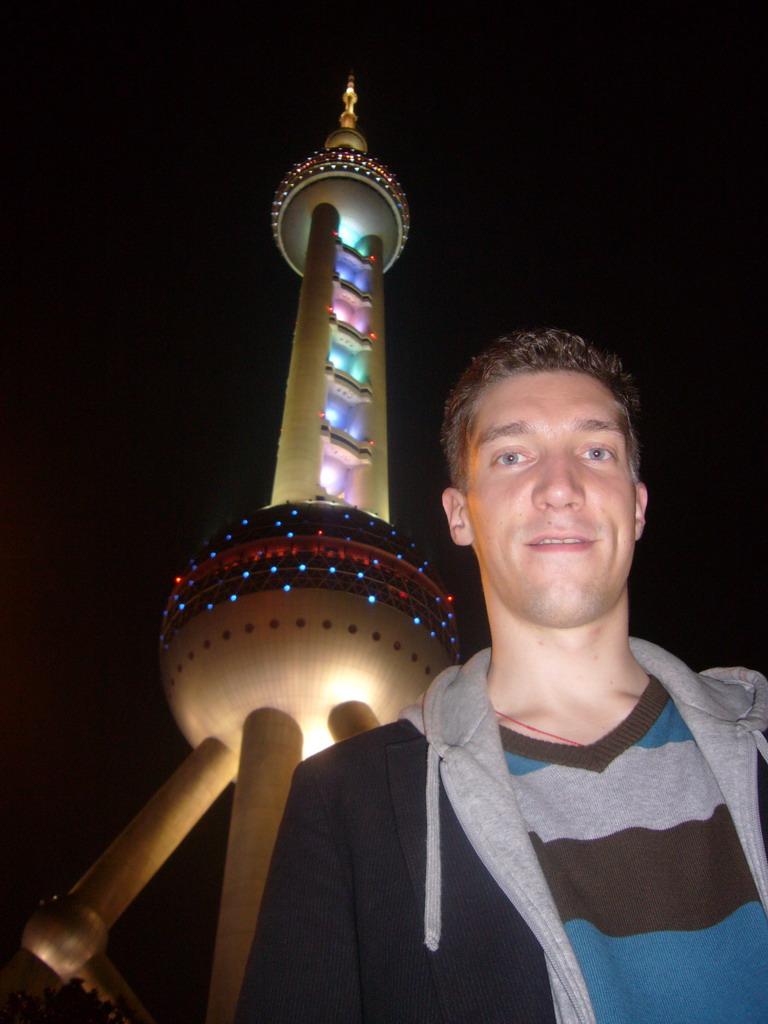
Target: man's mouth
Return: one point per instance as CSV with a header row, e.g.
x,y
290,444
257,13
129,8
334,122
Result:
x,y
563,540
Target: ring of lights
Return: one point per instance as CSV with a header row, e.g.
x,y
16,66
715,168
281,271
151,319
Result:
x,y
348,170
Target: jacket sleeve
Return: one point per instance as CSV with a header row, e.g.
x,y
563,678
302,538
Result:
x,y
305,949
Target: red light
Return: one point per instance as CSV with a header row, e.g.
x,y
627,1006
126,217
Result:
x,y
449,598
178,579
372,335
320,533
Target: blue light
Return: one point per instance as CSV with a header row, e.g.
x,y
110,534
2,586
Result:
x,y
443,623
302,567
453,639
246,575
399,556
244,522
209,606
273,569
416,621
346,515
213,554
432,633
279,522
287,586
359,575
294,512
233,597
228,537
371,599
332,569
289,534
165,612
182,606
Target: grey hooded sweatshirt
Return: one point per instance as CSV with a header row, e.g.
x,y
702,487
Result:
x,y
726,710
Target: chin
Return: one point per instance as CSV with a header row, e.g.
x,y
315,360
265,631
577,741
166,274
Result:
x,y
558,610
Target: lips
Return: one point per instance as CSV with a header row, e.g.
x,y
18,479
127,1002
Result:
x,y
565,540
551,540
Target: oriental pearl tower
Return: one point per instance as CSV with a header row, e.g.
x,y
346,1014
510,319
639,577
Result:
x,y
302,623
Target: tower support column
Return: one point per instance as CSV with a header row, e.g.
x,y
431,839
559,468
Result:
x,y
127,865
299,454
271,749
350,718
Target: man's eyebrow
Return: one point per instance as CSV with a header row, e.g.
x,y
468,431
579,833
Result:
x,y
589,426
523,427
504,430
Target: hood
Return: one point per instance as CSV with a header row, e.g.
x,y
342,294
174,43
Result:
x,y
455,710
451,710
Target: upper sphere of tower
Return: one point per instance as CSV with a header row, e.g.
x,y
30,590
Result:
x,y
366,195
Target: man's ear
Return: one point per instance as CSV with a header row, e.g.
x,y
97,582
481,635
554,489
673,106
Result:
x,y
455,505
641,503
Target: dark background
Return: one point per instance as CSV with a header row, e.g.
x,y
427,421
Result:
x,y
582,166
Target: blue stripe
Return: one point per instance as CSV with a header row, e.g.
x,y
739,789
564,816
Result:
x,y
668,728
523,765
714,976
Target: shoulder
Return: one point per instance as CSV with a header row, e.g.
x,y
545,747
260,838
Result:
x,y
366,746
359,765
729,694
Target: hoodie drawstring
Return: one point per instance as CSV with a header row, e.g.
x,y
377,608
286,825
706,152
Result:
x,y
433,883
762,743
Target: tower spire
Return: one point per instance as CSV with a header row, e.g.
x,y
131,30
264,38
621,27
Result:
x,y
348,135
348,119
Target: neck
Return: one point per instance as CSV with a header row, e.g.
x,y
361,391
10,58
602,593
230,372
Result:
x,y
577,683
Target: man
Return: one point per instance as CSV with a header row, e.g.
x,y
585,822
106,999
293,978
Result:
x,y
568,827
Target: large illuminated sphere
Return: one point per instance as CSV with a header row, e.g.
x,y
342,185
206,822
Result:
x,y
368,196
300,608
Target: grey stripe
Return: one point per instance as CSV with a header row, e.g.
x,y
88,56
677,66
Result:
x,y
653,788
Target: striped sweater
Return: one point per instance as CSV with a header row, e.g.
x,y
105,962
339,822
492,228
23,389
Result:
x,y
646,870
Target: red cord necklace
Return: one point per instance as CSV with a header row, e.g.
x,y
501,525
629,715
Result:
x,y
541,732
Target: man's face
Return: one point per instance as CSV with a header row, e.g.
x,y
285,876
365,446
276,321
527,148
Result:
x,y
551,508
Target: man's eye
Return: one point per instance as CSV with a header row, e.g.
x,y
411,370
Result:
x,y
510,458
598,454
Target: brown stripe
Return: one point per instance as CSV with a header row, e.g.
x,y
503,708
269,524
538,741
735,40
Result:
x,y
595,757
640,880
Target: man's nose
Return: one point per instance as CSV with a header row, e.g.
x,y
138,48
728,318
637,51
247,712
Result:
x,y
559,484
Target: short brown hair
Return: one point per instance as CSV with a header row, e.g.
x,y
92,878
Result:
x,y
539,350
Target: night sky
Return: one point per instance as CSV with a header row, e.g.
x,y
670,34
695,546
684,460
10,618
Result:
x,y
589,168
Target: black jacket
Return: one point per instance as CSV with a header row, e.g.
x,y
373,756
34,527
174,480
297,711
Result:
x,y
340,935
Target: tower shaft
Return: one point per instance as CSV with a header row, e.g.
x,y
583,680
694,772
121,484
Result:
x,y
333,442
299,455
